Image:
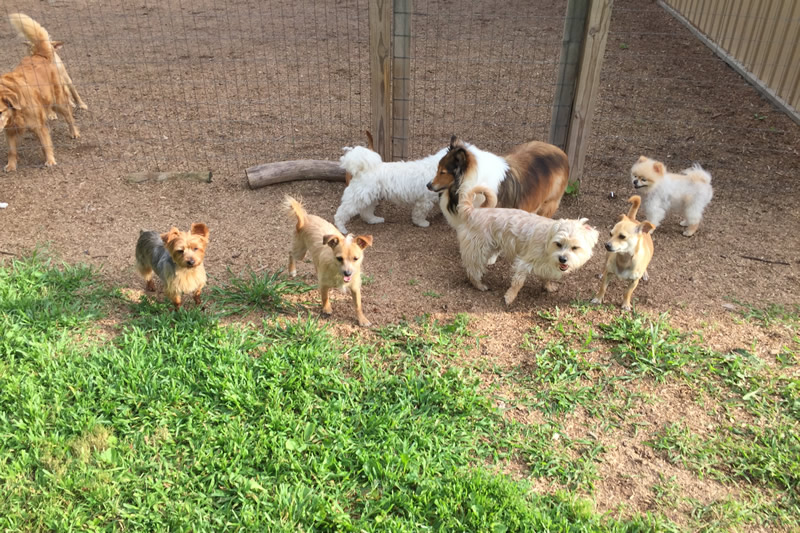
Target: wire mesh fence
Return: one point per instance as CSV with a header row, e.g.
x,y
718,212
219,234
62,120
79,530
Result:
x,y
483,70
221,84
227,84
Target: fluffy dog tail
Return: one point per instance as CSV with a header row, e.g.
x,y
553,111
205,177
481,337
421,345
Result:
x,y
296,209
34,33
635,202
698,173
466,205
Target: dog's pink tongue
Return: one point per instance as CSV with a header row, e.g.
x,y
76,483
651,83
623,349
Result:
x,y
563,267
346,278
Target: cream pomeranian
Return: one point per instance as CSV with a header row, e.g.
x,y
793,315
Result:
x,y
690,191
531,243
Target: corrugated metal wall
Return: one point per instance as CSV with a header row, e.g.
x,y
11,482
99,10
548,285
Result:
x,y
762,35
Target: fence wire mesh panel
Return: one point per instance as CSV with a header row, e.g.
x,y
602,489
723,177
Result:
x,y
666,95
220,85
484,70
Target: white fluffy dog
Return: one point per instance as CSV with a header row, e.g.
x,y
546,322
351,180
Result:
x,y
373,180
531,243
690,190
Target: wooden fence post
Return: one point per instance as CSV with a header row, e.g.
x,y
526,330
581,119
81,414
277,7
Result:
x,y
401,69
584,44
380,60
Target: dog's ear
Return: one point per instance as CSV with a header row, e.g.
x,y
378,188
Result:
x,y
57,44
622,217
330,240
642,158
198,228
646,227
460,159
658,166
453,141
11,100
171,235
363,241
370,143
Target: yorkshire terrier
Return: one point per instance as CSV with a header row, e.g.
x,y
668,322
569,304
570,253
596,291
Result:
x,y
337,258
177,258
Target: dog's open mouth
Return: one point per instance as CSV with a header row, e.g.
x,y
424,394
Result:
x,y
346,278
563,267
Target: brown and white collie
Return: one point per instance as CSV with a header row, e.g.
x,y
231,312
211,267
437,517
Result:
x,y
532,177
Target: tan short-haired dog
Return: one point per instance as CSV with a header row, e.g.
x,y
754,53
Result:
x,y
177,258
337,258
630,250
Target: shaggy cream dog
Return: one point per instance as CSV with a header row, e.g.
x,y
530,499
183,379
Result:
x,y
372,180
690,191
531,243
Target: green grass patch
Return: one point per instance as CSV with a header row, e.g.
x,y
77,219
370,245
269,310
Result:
x,y
182,423
265,292
769,315
427,338
768,454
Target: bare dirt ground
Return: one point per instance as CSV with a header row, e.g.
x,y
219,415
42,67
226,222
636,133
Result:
x,y
228,90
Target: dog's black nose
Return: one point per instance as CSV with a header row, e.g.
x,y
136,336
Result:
x,y
190,262
348,272
430,185
562,259
608,246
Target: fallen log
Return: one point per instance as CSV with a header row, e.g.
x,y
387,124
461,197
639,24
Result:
x,y
301,169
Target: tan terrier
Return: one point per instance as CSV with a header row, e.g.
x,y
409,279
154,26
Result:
x,y
630,250
177,257
337,258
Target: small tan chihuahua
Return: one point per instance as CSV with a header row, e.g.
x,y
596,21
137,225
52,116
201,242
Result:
x,y
630,250
337,259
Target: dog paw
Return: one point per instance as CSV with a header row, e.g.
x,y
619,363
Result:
x,y
364,323
550,286
597,300
626,307
421,223
51,163
509,299
52,115
684,223
76,134
375,220
492,260
689,233
83,106
10,168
